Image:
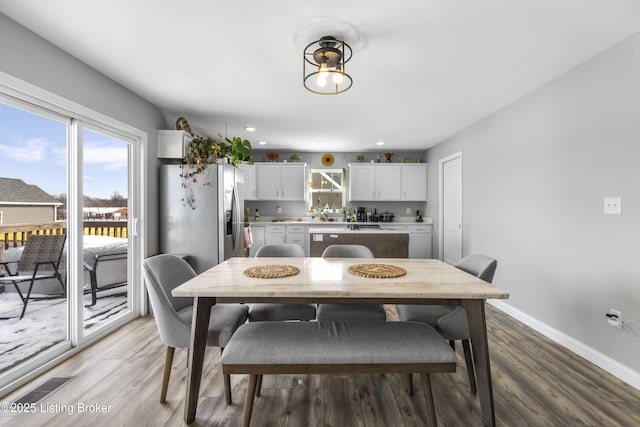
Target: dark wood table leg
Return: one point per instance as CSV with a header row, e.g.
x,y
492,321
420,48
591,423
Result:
x,y
480,347
199,331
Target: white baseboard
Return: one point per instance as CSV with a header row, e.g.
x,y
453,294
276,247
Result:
x,y
610,365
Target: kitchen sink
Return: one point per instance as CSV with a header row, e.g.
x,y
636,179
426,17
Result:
x,y
361,226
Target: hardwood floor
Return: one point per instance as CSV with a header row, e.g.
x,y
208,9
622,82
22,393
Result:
x,y
536,383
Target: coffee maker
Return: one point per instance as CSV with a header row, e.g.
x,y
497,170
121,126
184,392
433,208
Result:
x,y
360,214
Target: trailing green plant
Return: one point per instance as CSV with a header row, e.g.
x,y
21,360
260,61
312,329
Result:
x,y
203,151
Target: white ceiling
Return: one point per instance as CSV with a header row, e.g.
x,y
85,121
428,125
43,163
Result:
x,y
422,69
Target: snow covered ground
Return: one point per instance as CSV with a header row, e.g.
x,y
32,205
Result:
x,y
45,323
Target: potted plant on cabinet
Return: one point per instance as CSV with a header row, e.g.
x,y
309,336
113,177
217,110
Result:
x,y
238,150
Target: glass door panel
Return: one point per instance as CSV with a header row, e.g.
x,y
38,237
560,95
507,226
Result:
x,y
34,324
106,246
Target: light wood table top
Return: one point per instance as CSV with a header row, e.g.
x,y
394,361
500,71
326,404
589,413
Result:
x,y
328,278
323,280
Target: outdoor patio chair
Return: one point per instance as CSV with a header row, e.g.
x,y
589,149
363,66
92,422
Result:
x,y
39,261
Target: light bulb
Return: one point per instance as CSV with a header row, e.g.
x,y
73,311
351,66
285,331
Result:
x,y
337,77
322,81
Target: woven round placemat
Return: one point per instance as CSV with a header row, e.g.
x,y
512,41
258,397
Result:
x,y
271,271
377,271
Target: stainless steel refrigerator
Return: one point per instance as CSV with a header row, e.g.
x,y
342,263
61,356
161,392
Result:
x,y
202,221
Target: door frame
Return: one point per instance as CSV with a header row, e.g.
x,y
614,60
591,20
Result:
x,y
22,92
441,163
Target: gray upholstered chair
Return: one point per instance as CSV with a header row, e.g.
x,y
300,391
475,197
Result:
x,y
451,321
349,312
173,316
269,312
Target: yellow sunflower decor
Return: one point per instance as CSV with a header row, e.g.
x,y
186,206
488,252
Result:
x,y
327,159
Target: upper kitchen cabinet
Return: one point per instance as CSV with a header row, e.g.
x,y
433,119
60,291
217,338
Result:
x,y
281,181
388,182
414,182
172,144
249,172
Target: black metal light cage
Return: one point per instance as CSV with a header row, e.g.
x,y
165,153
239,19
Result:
x,y
334,53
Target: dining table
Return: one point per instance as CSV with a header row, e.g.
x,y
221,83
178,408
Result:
x,y
339,280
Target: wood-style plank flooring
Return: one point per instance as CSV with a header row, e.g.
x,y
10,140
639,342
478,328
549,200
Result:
x,y
536,383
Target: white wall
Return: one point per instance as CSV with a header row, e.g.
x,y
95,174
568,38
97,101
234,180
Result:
x,y
534,178
28,57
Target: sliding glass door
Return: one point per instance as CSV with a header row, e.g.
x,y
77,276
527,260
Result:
x,y
75,177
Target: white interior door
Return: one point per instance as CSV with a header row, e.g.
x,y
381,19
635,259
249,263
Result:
x,y
451,208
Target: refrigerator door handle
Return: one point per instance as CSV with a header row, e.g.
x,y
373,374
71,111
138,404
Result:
x,y
235,222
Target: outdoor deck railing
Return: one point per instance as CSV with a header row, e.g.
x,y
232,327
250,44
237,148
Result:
x,y
12,236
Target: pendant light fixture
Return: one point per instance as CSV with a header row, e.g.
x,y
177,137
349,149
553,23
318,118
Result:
x,y
323,66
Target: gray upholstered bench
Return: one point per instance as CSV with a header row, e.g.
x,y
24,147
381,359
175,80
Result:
x,y
336,347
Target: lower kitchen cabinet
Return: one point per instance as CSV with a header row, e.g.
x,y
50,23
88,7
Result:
x,y
296,234
275,235
269,234
420,242
258,238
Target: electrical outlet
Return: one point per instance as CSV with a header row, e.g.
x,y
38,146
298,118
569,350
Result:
x,y
408,211
614,317
613,205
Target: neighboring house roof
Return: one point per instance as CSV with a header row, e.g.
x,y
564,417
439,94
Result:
x,y
16,191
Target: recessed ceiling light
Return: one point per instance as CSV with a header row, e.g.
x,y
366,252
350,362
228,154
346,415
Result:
x,y
380,143
322,142
249,128
262,142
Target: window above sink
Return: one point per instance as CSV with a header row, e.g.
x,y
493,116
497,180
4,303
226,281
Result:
x,y
327,189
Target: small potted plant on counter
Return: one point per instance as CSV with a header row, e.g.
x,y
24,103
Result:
x,y
359,158
388,155
272,156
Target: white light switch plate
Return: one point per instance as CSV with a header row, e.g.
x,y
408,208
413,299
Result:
x,y
613,205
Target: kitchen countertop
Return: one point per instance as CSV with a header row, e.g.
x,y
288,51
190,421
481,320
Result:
x,y
277,221
333,230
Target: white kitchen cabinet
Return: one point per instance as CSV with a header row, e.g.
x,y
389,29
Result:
x,y
275,234
172,144
388,182
362,182
297,234
281,181
249,172
258,239
419,241
414,182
